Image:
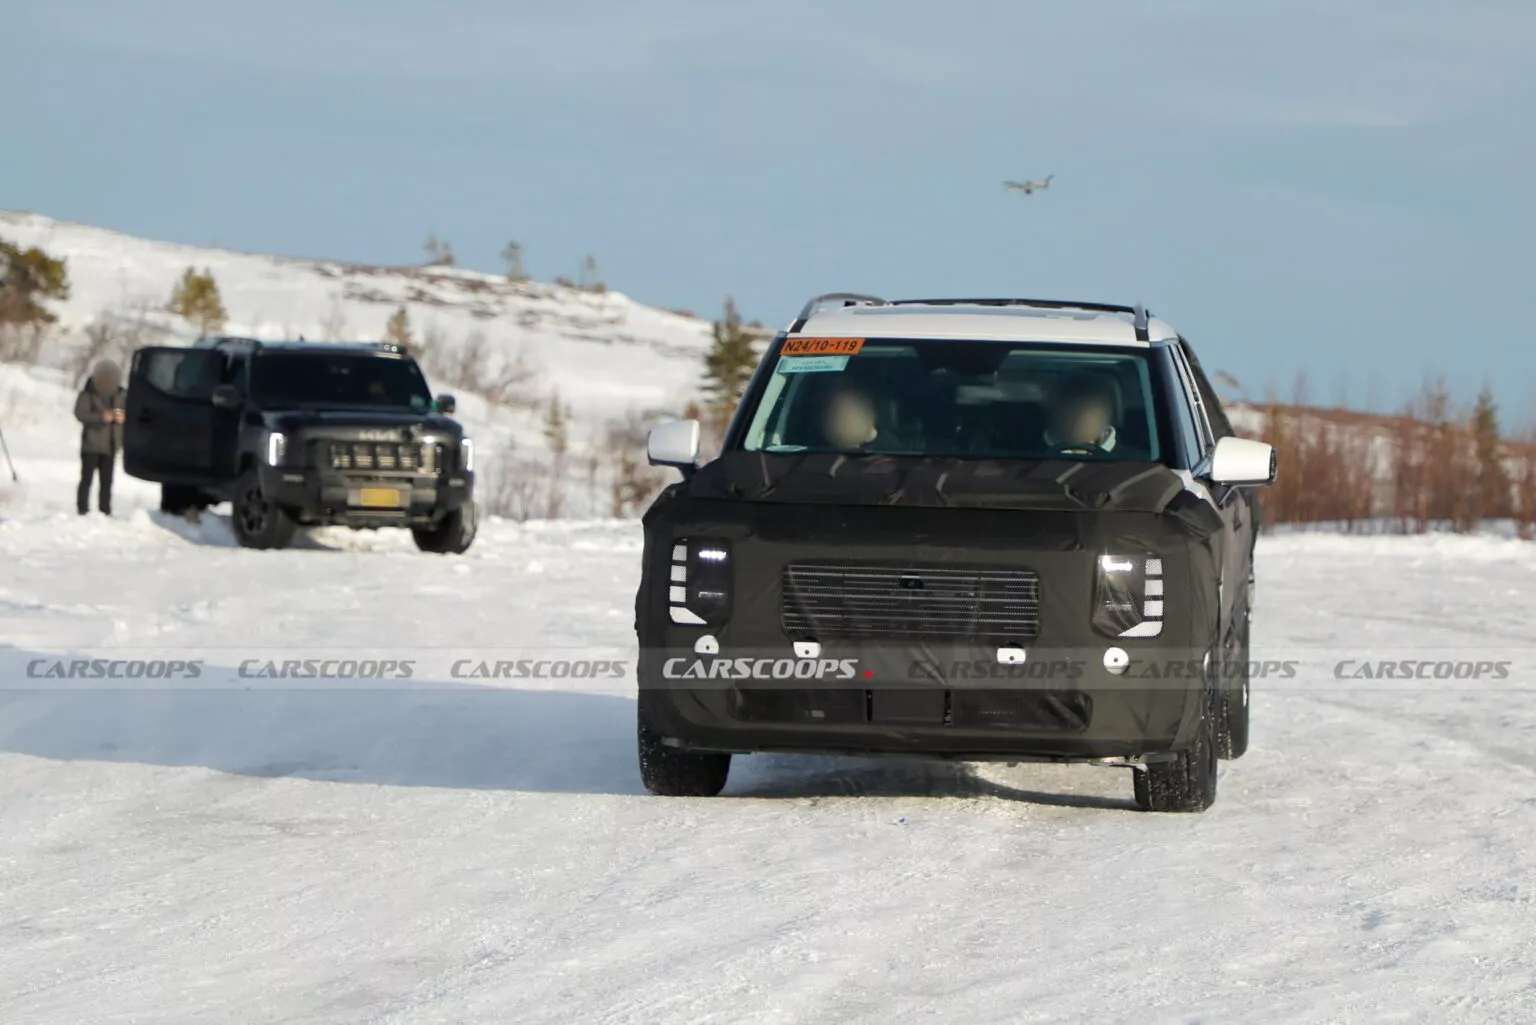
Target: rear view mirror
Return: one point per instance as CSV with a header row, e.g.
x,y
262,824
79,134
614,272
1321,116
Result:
x,y
675,443
1238,462
445,404
226,396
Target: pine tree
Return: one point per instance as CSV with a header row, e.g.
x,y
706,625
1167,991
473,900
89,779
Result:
x,y
196,297
589,277
398,329
557,420
28,276
728,365
1493,483
557,426
513,254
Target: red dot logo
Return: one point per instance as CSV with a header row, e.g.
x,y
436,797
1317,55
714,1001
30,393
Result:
x,y
869,674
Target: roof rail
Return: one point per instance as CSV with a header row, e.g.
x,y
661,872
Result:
x,y
216,341
846,298
1143,322
1140,316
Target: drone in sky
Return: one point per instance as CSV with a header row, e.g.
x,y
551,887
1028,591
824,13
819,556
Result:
x,y
1029,188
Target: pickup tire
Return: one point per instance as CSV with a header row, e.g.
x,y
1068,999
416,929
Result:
x,y
1187,782
451,535
257,521
670,772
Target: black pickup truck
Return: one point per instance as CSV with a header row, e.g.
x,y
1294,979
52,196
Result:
x,y
301,434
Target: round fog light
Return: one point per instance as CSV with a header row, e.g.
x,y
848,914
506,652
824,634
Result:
x,y
1117,660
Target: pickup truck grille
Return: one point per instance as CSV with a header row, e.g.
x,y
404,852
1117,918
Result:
x,y
853,600
384,456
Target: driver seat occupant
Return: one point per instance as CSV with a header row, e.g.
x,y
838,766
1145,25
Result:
x,y
1082,411
848,419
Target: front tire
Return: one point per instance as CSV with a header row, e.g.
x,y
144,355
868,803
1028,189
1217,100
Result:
x,y
670,772
258,522
1186,783
451,535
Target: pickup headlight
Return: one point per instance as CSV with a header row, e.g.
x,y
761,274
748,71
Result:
x,y
1128,596
699,585
467,455
277,448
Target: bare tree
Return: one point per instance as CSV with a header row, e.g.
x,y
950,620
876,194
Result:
x,y
514,487
1523,465
633,482
334,327
439,252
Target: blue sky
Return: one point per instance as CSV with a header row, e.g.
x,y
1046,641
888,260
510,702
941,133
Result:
x,y
1335,187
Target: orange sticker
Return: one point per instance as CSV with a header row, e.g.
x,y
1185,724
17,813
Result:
x,y
821,346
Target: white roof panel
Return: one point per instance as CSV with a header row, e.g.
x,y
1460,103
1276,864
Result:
x,y
980,323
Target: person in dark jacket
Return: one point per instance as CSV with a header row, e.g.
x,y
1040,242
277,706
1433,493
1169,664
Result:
x,y
100,412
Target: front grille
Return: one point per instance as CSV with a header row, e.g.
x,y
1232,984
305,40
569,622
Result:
x,y
384,456
846,599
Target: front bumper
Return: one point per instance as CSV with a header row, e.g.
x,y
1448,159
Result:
x,y
954,700
334,498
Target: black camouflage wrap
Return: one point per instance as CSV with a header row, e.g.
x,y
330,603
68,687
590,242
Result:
x,y
1056,518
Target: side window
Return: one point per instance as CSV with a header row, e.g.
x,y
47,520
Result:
x,y
189,374
238,374
1196,405
1181,412
1220,425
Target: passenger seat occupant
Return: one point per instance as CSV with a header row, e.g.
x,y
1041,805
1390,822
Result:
x,y
848,419
1081,411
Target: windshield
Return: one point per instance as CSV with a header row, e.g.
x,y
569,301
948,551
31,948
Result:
x,y
290,379
976,400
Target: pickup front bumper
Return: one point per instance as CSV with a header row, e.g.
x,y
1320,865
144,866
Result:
x,y
366,499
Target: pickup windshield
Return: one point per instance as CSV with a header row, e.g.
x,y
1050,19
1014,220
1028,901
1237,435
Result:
x,y
287,380
965,399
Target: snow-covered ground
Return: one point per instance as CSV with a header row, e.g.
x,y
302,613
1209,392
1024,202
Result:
x,y
247,850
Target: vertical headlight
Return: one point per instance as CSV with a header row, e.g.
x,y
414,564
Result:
x,y
1128,596
277,448
467,455
699,585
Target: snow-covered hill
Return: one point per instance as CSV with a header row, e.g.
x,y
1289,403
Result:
x,y
608,358
606,353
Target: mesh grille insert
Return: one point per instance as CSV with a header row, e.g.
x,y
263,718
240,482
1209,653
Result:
x,y
848,599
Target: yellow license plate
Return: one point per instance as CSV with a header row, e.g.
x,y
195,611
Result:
x,y
381,498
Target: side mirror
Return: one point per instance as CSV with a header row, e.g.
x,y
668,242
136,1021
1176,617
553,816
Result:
x,y
226,396
1239,462
445,404
674,443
